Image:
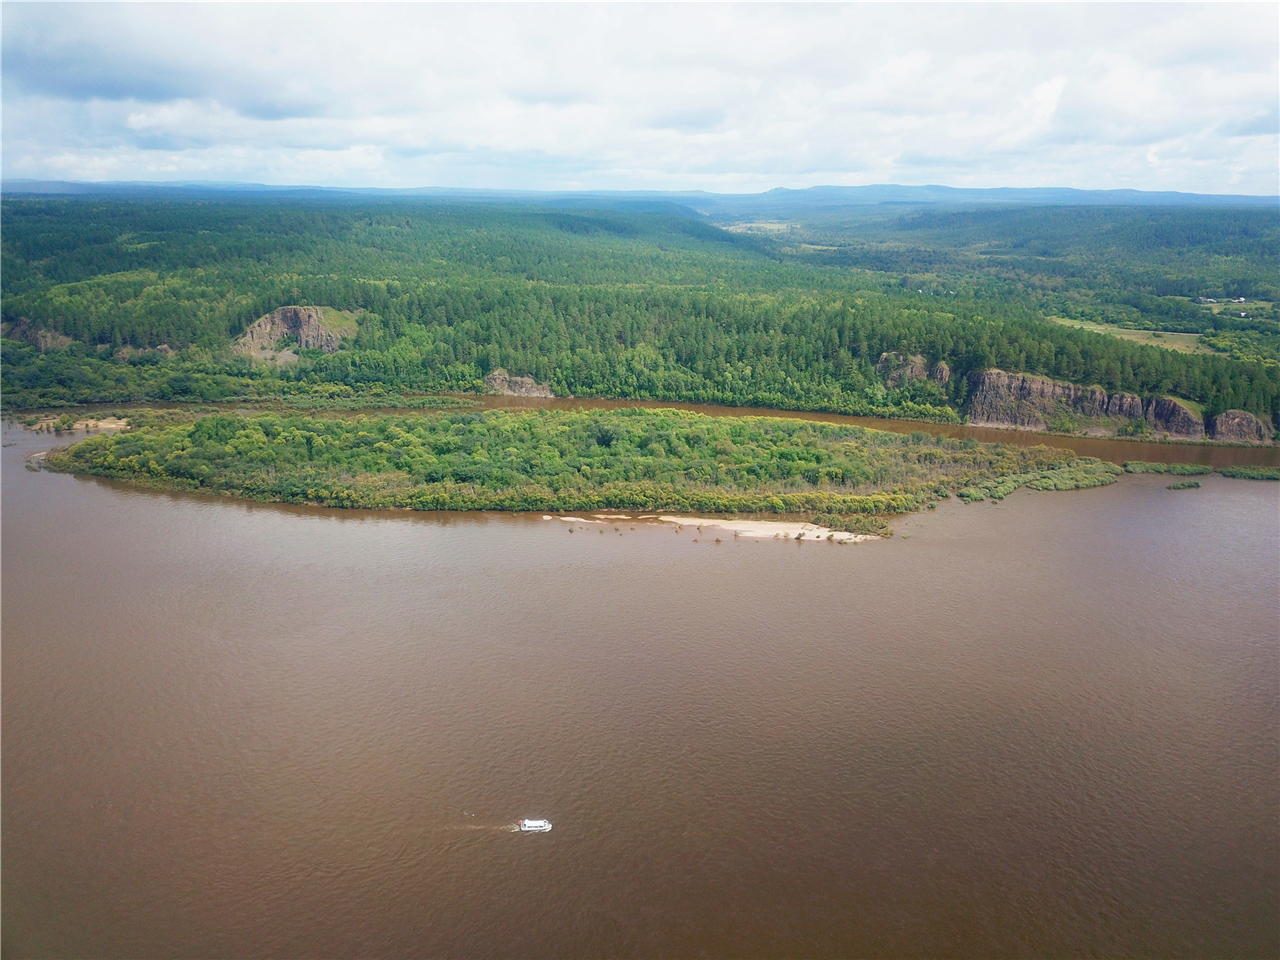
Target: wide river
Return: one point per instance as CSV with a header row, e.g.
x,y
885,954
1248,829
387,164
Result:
x,y
1044,728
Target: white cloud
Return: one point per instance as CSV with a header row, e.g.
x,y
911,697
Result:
x,y
1149,96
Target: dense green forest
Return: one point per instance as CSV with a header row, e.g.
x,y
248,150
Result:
x,y
573,460
1128,265
1139,268
118,299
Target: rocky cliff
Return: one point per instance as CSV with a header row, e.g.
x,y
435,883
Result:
x,y
1167,415
35,335
501,382
1239,426
305,323
1000,399
900,368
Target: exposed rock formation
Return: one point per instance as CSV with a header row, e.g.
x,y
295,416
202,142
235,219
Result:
x,y
1016,399
501,382
1125,405
1002,399
306,323
898,368
38,337
1169,416
1238,426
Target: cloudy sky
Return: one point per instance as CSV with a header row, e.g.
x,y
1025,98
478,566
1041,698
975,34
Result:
x,y
648,96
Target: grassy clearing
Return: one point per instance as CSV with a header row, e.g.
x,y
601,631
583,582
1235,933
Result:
x,y
1194,406
1249,306
1181,342
344,323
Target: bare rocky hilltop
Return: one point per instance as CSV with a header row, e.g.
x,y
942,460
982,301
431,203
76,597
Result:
x,y
313,328
502,383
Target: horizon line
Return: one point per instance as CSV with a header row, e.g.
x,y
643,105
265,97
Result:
x,y
588,191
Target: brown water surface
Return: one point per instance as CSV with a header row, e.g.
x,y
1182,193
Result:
x,y
1045,728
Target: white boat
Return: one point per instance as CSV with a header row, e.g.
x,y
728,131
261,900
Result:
x,y
534,826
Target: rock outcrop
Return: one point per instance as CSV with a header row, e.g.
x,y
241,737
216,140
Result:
x,y
502,383
37,336
1125,405
1167,415
1239,426
1000,399
900,368
306,323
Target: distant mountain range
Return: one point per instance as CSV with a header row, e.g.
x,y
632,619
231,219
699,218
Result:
x,y
777,202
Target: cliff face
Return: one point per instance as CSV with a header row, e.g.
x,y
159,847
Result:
x,y
500,382
1168,415
38,337
1239,426
899,368
1000,399
306,323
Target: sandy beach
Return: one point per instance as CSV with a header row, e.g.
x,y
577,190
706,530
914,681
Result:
x,y
102,423
48,423
755,529
769,529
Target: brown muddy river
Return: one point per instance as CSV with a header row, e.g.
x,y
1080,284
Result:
x,y
1046,728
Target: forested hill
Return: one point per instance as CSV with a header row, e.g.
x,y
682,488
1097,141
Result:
x,y
115,299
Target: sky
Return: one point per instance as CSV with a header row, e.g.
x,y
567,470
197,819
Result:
x,y
724,98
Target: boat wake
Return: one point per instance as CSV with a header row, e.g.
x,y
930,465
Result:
x,y
520,826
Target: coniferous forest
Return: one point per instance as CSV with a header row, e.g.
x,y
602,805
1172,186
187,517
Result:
x,y
116,299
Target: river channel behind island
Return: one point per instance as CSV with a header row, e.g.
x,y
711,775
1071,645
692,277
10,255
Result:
x,y
1048,727
1215,455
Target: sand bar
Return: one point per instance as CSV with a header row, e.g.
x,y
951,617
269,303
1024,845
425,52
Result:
x,y
756,529
48,423
771,529
102,423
